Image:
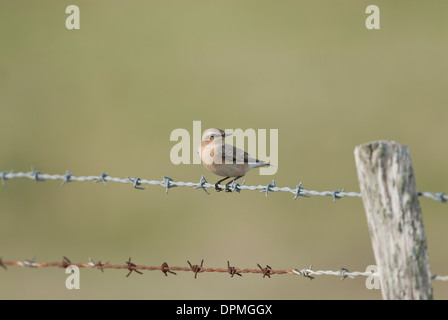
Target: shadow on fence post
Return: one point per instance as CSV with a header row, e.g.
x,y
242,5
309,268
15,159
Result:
x,y
394,218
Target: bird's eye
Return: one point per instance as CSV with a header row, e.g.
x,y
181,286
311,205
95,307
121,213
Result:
x,y
212,135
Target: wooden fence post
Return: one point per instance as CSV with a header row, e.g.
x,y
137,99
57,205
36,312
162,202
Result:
x,y
394,218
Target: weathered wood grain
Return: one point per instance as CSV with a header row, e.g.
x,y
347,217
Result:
x,y
394,218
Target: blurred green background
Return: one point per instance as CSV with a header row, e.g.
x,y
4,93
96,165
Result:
x,y
106,98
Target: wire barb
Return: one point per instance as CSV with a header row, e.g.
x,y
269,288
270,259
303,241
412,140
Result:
x,y
167,181
196,268
99,265
336,195
67,178
3,176
344,273
269,187
236,186
201,185
165,269
233,271
65,262
132,268
307,272
2,264
136,182
102,178
36,175
299,192
266,271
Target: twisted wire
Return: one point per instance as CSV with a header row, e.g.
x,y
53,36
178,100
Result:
x,y
169,183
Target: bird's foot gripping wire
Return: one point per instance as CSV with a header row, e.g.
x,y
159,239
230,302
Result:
x,y
228,188
217,187
232,185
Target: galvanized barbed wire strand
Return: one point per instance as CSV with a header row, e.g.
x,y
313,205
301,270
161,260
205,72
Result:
x,y
439,277
168,183
309,273
343,273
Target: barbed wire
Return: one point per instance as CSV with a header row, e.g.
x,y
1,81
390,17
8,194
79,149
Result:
x,y
168,183
203,184
267,271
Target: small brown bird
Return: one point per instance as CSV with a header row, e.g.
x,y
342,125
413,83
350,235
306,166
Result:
x,y
224,159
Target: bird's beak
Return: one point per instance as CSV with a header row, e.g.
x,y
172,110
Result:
x,y
227,134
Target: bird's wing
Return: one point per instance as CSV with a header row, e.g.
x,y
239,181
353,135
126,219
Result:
x,y
231,154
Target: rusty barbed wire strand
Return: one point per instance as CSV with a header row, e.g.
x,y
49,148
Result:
x,y
169,183
130,267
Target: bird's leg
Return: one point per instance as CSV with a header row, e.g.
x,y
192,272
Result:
x,y
217,188
229,183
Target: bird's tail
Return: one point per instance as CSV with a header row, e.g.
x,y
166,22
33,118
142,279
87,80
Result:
x,y
263,164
